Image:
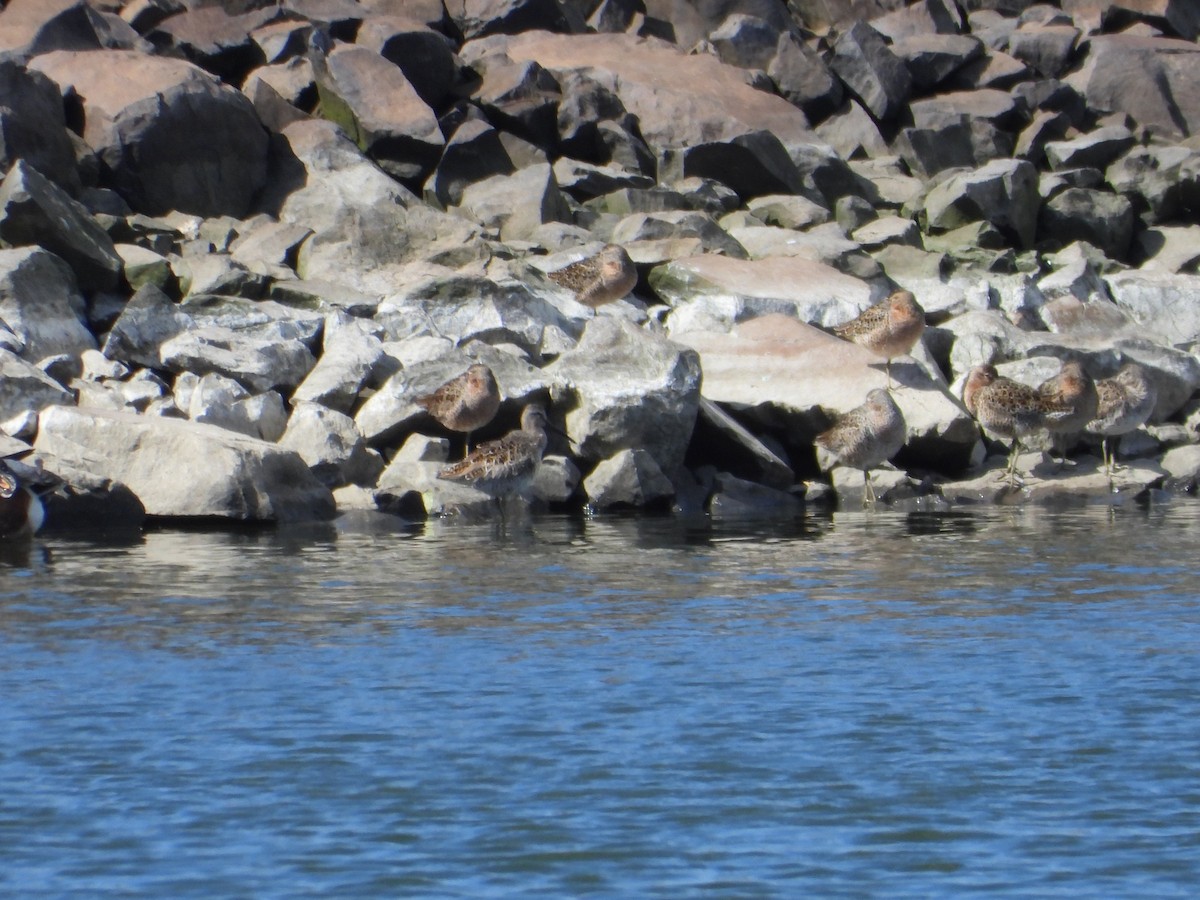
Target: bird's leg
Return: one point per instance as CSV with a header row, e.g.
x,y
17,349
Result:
x,y
1012,462
887,367
868,490
467,445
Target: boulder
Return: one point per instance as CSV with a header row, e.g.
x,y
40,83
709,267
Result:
x,y
752,164
675,225
852,133
632,390
32,27
217,41
41,304
424,56
514,206
380,110
352,358
229,476
932,58
1046,49
1162,182
735,498
1096,149
786,378
473,153
628,478
1162,304
803,78
256,358
1101,218
34,210
923,17
520,97
170,135
478,18
868,67
24,387
331,445
1002,192
33,126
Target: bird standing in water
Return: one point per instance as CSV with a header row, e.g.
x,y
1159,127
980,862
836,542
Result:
x,y
863,438
890,328
504,467
604,278
1125,402
465,402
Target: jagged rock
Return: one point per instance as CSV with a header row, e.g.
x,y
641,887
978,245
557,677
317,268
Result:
x,y
364,223
143,266
221,401
170,134
281,40
783,376
424,56
719,438
585,180
32,27
852,132
477,18
1096,149
1003,192
269,247
33,127
259,361
674,225
1162,304
556,479
745,41
715,293
324,296
148,320
380,110
752,164
331,445
627,478
1167,249
888,230
40,303
515,205
215,40
923,17
1047,49
633,389
1044,484
521,97
1173,17
217,274
787,211
995,69
24,387
351,359
1162,182
932,58
34,210
801,76
735,498
229,476
872,71
1154,80
1098,217
473,153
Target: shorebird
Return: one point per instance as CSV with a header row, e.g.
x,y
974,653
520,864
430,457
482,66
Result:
x,y
1125,403
890,328
504,467
465,402
1006,408
1069,403
21,511
604,278
863,438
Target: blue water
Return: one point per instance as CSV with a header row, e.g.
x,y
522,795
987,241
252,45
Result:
x,y
998,703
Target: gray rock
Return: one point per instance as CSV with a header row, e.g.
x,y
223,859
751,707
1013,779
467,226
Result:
x,y
801,76
259,361
1163,182
34,126
268,247
331,445
1098,217
1168,249
995,69
1002,192
34,210
380,110
1162,304
144,266
424,56
147,321
520,97
923,17
735,498
324,296
1047,49
872,71
1095,149
216,40
932,58
24,387
633,389
852,132
352,358
627,478
217,274
514,206
556,479
172,136
40,302
221,401
229,476
674,225
721,438
787,211
473,153
477,18
751,164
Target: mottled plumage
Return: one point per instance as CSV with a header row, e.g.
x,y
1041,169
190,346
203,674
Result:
x,y
890,328
1068,403
604,278
506,465
864,438
465,402
1006,408
21,511
1125,403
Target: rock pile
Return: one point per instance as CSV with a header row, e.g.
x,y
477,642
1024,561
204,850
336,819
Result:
x,y
239,240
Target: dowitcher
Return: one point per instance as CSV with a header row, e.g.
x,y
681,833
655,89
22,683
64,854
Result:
x,y
505,466
890,328
1125,403
863,438
465,402
21,511
1068,404
604,278
1006,408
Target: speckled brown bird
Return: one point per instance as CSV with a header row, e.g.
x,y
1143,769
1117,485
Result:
x,y
1068,403
1006,408
505,466
465,402
1125,403
604,278
863,438
890,328
21,511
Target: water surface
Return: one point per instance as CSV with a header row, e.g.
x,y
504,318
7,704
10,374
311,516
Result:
x,y
1000,703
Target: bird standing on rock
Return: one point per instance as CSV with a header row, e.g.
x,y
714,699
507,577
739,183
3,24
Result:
x,y
863,438
1006,408
465,402
890,328
1069,402
505,466
604,278
1124,403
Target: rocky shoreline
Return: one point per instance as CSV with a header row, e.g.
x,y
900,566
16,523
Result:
x,y
238,241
